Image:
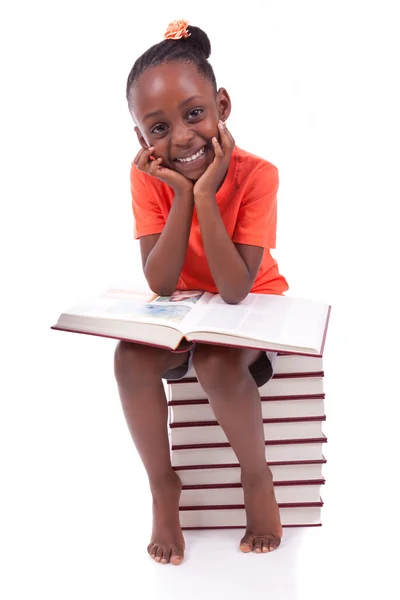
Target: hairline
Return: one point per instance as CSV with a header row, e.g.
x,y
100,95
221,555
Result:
x,y
171,61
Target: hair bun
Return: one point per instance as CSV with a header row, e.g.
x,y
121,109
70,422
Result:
x,y
199,40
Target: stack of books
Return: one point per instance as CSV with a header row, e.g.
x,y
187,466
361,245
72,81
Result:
x,y
293,414
292,401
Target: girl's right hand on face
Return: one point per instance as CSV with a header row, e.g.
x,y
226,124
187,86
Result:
x,y
179,183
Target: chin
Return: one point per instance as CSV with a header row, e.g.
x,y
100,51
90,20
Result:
x,y
196,174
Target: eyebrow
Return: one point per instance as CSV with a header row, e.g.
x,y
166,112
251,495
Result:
x,y
157,113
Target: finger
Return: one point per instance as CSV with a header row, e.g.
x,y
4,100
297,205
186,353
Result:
x,y
226,136
225,131
144,158
153,165
137,157
217,148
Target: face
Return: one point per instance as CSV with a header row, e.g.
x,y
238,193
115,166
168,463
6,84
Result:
x,y
177,111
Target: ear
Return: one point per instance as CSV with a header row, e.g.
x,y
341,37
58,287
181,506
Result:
x,y
141,139
224,104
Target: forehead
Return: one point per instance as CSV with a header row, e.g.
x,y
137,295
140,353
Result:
x,y
165,86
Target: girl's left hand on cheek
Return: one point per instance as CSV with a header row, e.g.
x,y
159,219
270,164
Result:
x,y
209,182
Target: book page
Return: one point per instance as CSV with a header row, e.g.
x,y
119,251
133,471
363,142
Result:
x,y
131,306
263,317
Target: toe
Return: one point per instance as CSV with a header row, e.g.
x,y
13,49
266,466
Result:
x,y
165,556
159,553
257,546
246,544
176,556
274,543
269,544
152,549
265,545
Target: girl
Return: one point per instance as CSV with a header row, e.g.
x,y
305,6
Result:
x,y
205,215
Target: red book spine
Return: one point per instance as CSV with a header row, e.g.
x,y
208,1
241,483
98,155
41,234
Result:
x,y
222,486
263,399
275,420
321,440
281,463
241,506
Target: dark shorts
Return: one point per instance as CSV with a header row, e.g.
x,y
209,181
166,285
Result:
x,y
261,369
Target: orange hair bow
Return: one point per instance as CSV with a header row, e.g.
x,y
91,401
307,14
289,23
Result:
x,y
177,30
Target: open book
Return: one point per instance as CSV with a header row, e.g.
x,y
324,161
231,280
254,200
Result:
x,y
264,321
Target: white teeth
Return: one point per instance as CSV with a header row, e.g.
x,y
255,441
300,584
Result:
x,y
193,157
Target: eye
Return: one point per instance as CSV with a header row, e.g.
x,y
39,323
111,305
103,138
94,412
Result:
x,y
158,129
195,113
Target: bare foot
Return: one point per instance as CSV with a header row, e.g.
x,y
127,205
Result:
x,y
264,530
167,544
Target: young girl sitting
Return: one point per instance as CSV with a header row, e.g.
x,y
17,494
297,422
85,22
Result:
x,y
205,214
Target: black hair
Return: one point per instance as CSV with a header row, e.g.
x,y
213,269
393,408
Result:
x,y
194,49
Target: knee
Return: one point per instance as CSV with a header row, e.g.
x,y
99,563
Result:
x,y
218,368
132,362
125,356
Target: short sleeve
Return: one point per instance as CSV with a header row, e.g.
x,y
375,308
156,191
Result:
x,y
146,204
257,217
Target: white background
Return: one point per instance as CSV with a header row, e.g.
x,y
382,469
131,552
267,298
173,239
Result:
x,y
314,89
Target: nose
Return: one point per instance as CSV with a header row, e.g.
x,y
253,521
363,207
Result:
x,y
181,135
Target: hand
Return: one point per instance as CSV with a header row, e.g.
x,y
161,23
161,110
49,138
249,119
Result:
x,y
209,182
148,164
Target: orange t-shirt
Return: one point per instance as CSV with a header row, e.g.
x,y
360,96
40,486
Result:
x,y
248,206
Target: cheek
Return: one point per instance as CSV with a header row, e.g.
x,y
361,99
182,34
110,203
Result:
x,y
160,148
210,128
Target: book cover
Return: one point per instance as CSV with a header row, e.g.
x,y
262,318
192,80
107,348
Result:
x,y
278,431
234,517
281,451
290,407
306,385
228,494
221,474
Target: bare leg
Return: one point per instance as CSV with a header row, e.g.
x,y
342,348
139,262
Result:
x,y
138,371
233,394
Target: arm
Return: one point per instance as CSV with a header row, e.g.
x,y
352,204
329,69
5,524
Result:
x,y
234,267
163,254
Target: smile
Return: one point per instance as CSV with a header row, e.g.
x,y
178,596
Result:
x,y
192,158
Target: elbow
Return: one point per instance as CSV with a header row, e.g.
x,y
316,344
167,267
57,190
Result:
x,y
234,297
230,300
159,288
160,281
